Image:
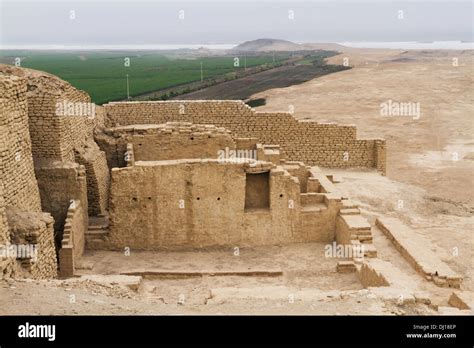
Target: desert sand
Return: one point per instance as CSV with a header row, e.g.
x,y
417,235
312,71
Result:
x,y
434,152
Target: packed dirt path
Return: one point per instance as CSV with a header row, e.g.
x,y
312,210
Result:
x,y
434,151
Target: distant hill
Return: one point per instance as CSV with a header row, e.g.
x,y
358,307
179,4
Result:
x,y
266,45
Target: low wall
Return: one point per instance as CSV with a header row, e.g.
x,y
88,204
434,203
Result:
x,y
327,145
73,242
418,252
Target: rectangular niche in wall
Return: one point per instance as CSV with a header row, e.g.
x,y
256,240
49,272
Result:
x,y
257,191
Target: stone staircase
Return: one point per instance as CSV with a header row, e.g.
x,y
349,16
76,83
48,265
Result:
x,y
97,233
359,229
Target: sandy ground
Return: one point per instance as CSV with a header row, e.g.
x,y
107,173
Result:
x,y
309,285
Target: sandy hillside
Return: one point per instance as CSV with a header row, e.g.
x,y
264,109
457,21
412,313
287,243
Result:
x,y
434,152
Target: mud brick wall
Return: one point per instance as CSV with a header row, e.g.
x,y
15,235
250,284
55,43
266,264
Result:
x,y
149,216
55,136
6,264
98,124
173,140
189,203
16,163
63,134
4,234
59,183
76,129
32,228
327,145
95,162
381,156
70,138
73,241
46,128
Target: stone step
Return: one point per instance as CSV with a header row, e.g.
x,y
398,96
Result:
x,y
97,227
96,235
313,208
97,232
346,267
348,204
311,198
365,232
370,250
349,211
365,239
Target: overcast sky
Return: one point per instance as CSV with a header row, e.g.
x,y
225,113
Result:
x,y
158,22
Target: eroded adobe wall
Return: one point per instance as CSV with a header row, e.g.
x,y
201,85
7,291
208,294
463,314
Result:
x,y
202,203
6,263
75,138
59,183
34,229
95,162
173,140
16,163
328,145
4,237
73,241
62,124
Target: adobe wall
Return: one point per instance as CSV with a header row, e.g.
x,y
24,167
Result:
x,y
327,145
33,228
6,264
95,162
59,183
56,128
4,235
172,140
201,203
16,163
62,123
73,241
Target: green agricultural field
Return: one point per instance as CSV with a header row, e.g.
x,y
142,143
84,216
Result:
x,y
103,74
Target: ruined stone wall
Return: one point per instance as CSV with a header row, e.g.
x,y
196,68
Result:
x,y
328,145
201,203
16,164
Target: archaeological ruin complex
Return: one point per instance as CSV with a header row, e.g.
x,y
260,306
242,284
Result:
x,y
170,175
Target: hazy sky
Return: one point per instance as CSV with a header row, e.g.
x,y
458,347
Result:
x,y
158,22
